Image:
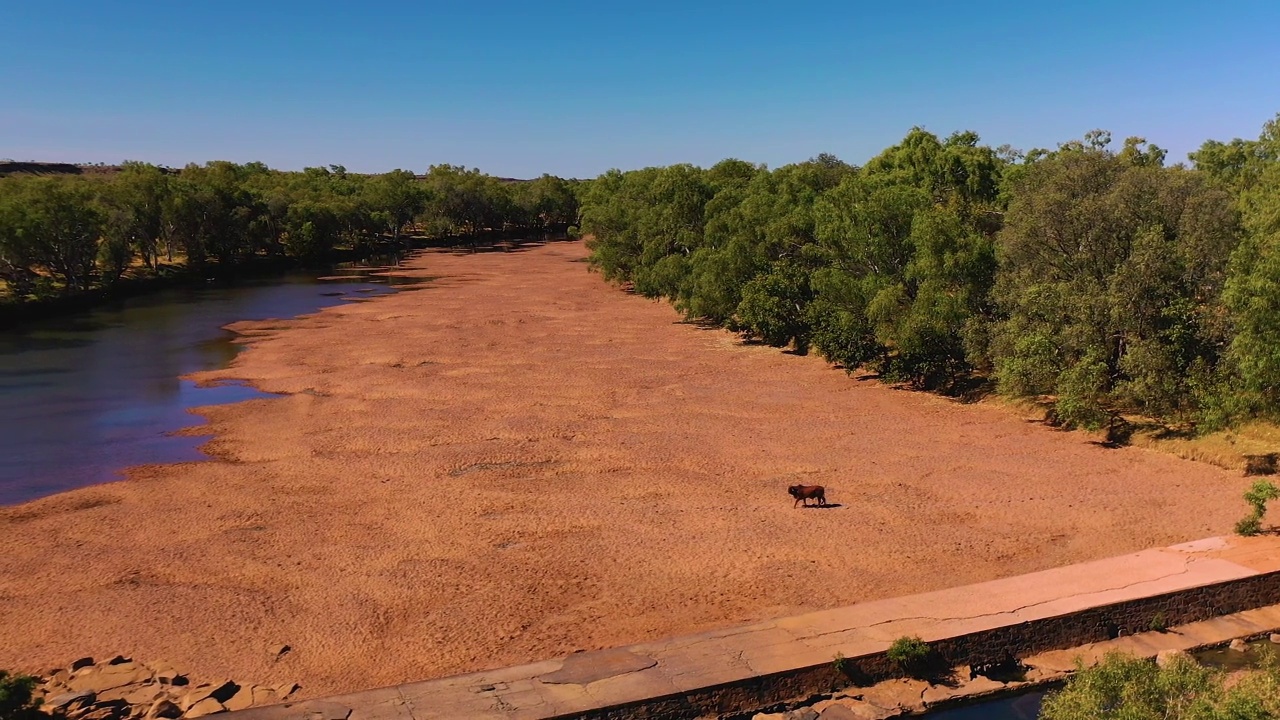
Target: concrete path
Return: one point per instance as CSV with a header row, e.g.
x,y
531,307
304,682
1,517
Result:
x,y
587,683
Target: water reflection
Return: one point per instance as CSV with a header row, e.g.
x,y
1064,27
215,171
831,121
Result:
x,y
83,396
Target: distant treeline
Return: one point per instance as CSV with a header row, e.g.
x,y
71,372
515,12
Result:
x,y
1100,280
63,234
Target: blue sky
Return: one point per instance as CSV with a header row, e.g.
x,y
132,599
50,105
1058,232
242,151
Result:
x,y
575,88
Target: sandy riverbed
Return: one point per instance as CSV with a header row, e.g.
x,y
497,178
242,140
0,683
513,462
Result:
x,y
519,461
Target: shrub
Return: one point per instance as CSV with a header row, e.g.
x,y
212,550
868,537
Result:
x,y
1128,687
1249,526
17,698
911,654
1158,623
1257,497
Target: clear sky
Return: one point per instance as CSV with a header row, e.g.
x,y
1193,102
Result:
x,y
575,88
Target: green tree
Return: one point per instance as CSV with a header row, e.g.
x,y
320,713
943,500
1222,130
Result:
x,y
63,227
17,698
1110,282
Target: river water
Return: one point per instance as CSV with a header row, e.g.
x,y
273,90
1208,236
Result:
x,y
86,395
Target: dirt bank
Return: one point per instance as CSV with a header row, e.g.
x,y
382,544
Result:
x,y
520,461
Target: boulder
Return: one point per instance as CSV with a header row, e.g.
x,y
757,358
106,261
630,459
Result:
x,y
109,712
68,701
894,694
119,660
242,700
1275,638
164,708
975,688
145,695
857,710
1238,645
278,651
170,677
803,714
102,678
221,692
81,663
264,696
1164,658
284,690
207,706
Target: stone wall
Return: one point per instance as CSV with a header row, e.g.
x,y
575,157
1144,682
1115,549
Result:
x,y
990,647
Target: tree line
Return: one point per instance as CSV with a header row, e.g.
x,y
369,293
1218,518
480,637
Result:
x,y
65,234
1102,280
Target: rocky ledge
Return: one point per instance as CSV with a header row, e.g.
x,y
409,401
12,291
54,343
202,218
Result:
x,y
121,689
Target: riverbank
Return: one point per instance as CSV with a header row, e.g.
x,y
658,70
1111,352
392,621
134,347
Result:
x,y
519,461
170,276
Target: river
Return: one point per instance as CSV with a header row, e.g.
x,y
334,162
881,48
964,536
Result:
x,y
86,395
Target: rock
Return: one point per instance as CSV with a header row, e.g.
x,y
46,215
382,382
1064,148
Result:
x,y
170,677
207,706
769,716
220,692
58,677
867,711
68,700
106,710
146,695
1275,638
1041,674
894,694
839,712
164,708
279,651
81,663
1164,658
109,712
264,696
977,687
242,700
284,690
109,677
119,660
1238,645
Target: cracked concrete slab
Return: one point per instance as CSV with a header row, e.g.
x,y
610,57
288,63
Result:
x,y
622,680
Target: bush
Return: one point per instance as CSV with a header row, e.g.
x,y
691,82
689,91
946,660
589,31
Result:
x,y
911,654
1257,497
1249,526
1158,623
17,698
1128,687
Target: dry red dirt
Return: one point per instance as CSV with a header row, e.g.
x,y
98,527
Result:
x,y
519,461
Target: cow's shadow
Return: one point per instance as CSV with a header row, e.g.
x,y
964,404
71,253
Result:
x,y
828,506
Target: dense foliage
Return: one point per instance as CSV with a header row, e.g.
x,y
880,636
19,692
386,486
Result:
x,y
18,699
63,234
1128,688
1099,279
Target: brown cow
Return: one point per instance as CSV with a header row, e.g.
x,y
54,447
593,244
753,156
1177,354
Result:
x,y
807,493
